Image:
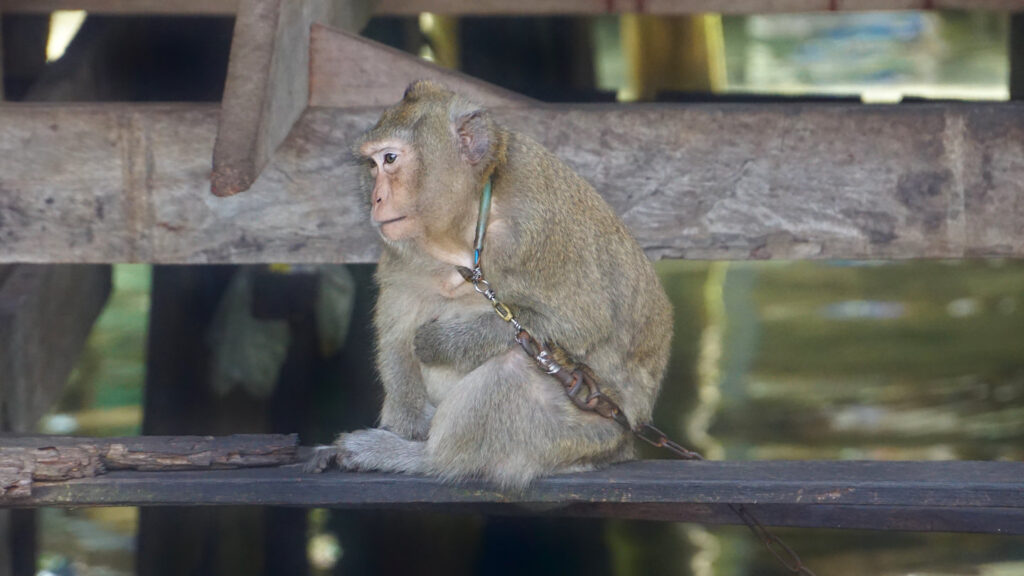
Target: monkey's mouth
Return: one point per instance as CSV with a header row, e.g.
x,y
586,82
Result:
x,y
391,221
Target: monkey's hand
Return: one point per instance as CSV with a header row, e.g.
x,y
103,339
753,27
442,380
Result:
x,y
463,343
428,344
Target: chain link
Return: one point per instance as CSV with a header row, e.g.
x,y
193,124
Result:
x,y
583,390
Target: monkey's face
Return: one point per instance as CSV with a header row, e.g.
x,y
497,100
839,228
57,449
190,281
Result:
x,y
427,156
392,164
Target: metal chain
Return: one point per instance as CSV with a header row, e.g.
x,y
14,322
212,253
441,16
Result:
x,y
583,390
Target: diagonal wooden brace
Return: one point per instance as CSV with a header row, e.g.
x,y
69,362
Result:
x,y
284,58
267,85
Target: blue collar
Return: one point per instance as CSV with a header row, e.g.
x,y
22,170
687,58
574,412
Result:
x,y
481,223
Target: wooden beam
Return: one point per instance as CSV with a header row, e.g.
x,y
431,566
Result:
x,y
267,85
972,496
528,7
114,183
347,70
560,7
1016,50
156,7
25,460
46,313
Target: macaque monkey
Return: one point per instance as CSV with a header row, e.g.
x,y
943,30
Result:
x,y
462,399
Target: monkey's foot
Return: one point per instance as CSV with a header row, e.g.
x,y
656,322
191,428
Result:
x,y
325,457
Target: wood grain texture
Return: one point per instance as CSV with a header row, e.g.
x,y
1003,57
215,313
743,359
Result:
x,y
975,496
129,183
523,7
349,70
267,85
167,7
46,313
27,460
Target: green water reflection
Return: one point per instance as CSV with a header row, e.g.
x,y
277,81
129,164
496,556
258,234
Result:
x,y
906,360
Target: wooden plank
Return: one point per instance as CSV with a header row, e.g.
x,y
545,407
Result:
x,y
267,85
556,7
528,7
804,181
972,496
979,520
46,313
161,7
26,460
349,70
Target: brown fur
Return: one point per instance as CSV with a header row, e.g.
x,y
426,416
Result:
x,y
462,400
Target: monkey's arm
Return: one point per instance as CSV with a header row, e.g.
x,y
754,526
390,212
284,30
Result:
x,y
465,342
406,410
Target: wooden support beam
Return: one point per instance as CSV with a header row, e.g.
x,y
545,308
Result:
x,y
267,85
347,70
968,496
560,7
46,313
529,7
156,7
115,183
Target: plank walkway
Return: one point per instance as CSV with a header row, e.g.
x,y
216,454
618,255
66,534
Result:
x,y
926,496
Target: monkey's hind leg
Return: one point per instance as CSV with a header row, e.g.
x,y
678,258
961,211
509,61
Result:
x,y
370,449
509,423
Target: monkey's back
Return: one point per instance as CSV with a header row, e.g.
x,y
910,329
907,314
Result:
x,y
609,303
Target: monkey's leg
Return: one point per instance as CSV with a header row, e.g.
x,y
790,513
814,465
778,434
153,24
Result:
x,y
509,423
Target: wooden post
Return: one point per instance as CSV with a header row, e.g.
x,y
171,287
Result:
x,y
1017,56
46,312
180,399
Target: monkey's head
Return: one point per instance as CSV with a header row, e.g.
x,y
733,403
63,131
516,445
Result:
x,y
429,156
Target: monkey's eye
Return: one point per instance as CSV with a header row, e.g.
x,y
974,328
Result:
x,y
390,158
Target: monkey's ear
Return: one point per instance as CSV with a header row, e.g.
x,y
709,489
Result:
x,y
420,88
474,133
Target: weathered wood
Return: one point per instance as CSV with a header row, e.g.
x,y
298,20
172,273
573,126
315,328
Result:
x,y
550,7
267,85
896,518
46,313
25,460
347,70
162,7
119,183
969,496
524,7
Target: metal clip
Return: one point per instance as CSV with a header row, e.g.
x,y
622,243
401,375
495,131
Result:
x,y
502,311
547,362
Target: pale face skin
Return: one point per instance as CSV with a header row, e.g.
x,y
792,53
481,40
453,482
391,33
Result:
x,y
392,163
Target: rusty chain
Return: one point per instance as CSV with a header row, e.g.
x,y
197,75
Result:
x,y
583,390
